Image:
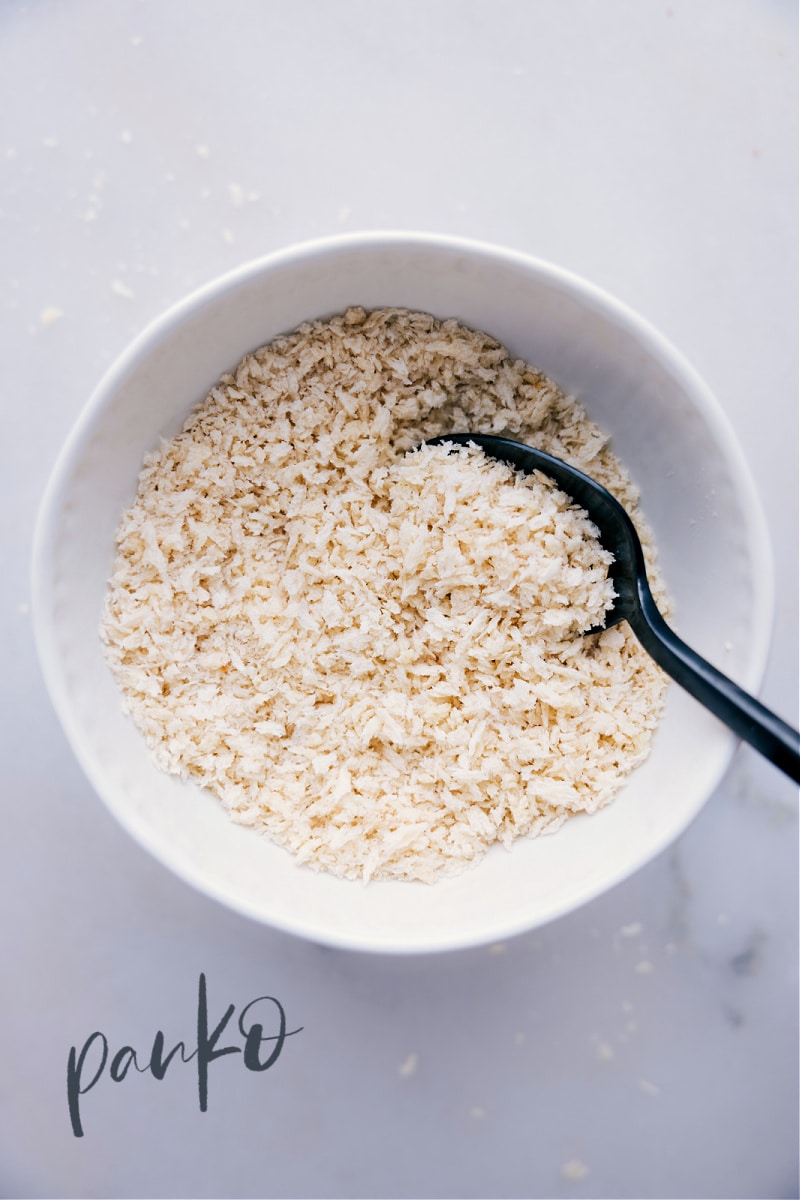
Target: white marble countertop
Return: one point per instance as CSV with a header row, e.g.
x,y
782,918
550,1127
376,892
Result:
x,y
644,1046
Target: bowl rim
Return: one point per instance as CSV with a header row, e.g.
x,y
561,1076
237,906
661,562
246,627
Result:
x,y
162,326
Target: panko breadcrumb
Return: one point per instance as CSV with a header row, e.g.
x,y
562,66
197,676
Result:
x,y
370,649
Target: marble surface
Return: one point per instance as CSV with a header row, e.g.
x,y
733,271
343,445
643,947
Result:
x,y
644,1046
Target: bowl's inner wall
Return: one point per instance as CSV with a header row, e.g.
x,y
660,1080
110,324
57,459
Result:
x,y
664,431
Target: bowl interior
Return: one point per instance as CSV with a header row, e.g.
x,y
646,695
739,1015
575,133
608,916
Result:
x,y
666,429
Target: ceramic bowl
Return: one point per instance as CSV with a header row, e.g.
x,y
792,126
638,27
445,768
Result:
x,y
666,428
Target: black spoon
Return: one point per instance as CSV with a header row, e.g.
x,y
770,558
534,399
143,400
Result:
x,y
634,603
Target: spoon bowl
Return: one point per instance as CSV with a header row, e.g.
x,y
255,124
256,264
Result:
x,y
634,603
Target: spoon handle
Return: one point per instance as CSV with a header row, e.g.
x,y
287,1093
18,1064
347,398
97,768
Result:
x,y
740,711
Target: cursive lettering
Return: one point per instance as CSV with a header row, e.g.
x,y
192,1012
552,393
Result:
x,y
85,1069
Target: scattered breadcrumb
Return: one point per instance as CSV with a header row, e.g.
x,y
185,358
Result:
x,y
645,967
95,197
121,289
574,1170
50,315
632,930
605,1051
371,651
498,948
649,1089
409,1067
202,151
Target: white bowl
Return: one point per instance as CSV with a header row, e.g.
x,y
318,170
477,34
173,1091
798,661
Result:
x,y
666,428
